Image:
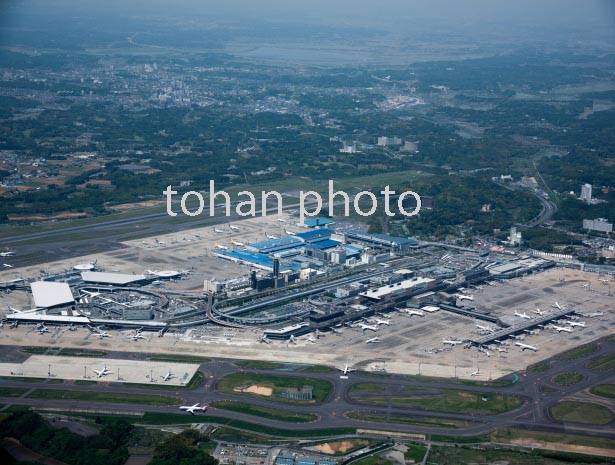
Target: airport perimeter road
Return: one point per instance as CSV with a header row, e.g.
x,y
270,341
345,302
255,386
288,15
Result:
x,y
537,389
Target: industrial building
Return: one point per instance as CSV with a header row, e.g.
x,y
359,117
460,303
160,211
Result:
x,y
599,224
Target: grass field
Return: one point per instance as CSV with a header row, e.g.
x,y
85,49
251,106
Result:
x,y
366,387
178,358
538,367
460,439
75,352
264,412
416,452
84,382
21,379
376,459
454,401
606,362
502,382
158,419
228,384
611,338
582,412
565,379
578,352
103,397
317,369
11,391
408,420
34,350
258,365
66,351
604,390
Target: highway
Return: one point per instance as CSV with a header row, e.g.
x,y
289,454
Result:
x,y
537,390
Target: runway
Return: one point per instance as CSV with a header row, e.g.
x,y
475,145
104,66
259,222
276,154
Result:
x,y
332,413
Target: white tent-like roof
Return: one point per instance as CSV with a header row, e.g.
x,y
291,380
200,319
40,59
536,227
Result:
x,y
50,294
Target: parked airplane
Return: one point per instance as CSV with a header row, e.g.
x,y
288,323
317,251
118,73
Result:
x,y
281,220
364,327
595,314
452,342
556,305
233,227
7,254
292,339
264,339
539,312
289,233
167,376
219,231
42,329
411,312
526,346
7,265
587,286
137,335
270,236
559,329
523,315
373,340
160,242
502,349
346,369
193,408
485,328
580,324
237,243
475,373
101,373
378,321
464,297
602,280
100,334
311,339
220,246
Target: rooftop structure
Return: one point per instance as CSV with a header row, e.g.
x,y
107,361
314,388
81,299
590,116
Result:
x,y
50,294
599,224
118,279
379,293
317,222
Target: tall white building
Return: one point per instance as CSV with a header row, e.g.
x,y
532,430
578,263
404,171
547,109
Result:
x,y
514,237
586,193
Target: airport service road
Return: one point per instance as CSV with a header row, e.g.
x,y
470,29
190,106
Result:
x,y
533,414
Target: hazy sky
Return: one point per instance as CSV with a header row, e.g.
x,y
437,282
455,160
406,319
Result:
x,y
590,18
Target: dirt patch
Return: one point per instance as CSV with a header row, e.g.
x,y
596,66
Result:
x,y
256,389
533,443
339,447
129,206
